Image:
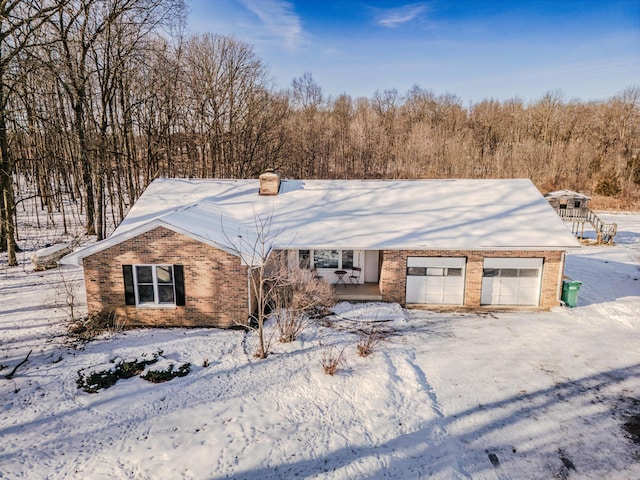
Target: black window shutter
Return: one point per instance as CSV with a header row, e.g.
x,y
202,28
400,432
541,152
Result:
x,y
129,293
178,274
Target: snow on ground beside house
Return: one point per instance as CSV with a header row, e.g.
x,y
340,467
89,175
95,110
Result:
x,y
505,395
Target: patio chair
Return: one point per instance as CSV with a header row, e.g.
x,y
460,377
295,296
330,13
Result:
x,y
355,275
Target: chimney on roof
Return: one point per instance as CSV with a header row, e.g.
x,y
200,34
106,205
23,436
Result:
x,y
269,183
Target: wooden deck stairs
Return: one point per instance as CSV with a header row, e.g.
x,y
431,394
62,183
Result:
x,y
605,232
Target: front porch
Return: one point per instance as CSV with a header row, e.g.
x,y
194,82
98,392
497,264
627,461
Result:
x,y
369,292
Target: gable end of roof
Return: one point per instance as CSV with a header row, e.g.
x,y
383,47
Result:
x,y
76,257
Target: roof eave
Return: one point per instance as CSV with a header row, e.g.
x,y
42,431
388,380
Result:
x,y
75,258
532,248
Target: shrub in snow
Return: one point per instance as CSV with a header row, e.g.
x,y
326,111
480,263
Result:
x,y
632,427
67,292
297,299
331,360
106,375
131,367
369,339
166,370
290,324
93,325
96,378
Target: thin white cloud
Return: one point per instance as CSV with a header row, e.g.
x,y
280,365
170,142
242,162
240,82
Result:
x,y
394,17
279,19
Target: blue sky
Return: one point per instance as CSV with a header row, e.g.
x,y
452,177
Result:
x,y
589,50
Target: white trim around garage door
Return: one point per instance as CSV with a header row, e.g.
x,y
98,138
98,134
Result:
x,y
435,280
511,281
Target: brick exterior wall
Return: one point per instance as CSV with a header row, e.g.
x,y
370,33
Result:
x,y
215,282
394,266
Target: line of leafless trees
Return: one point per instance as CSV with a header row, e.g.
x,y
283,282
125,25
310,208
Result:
x,y
99,97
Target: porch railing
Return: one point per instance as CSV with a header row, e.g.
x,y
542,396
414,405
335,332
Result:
x,y
605,232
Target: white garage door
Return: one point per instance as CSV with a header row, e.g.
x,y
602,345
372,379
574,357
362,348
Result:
x,y
436,280
511,281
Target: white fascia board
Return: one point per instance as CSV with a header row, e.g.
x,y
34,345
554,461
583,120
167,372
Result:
x,y
423,248
503,248
428,247
551,248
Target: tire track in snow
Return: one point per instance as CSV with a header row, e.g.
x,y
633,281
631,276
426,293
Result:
x,y
409,386
416,392
346,429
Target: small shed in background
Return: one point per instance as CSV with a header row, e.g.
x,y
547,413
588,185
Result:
x,y
568,203
573,207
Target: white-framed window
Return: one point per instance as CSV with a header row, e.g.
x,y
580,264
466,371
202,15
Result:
x,y
434,271
154,284
304,258
334,259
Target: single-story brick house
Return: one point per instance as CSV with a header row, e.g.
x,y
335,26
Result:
x,y
175,260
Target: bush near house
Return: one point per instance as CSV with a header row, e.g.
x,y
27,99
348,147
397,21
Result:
x,y
103,376
166,370
97,378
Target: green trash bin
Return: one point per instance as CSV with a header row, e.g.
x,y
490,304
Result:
x,y
570,289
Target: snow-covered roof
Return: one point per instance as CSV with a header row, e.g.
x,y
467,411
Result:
x,y
355,214
565,194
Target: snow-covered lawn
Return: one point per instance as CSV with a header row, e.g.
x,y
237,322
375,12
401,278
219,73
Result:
x,y
504,395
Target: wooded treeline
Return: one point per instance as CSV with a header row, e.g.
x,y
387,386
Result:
x,y
99,97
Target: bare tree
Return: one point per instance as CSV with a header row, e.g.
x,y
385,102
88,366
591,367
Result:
x,y
234,118
96,103
19,19
307,94
309,130
278,286
94,40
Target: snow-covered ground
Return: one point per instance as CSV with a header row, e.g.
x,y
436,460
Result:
x,y
495,396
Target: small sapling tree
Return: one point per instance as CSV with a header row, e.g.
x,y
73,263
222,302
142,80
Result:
x,y
68,290
254,248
